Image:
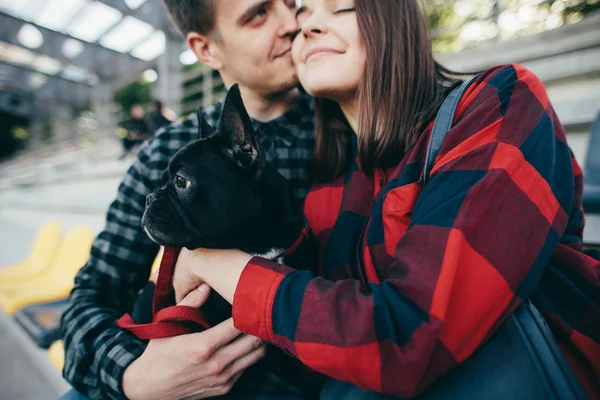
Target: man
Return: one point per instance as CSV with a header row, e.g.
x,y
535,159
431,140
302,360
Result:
x,y
248,42
159,116
137,129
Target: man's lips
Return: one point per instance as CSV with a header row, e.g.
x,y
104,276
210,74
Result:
x,y
318,51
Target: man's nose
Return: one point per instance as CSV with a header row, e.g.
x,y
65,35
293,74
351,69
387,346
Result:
x,y
288,21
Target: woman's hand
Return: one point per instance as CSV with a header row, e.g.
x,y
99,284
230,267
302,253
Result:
x,y
221,269
187,272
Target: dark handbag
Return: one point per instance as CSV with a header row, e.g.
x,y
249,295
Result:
x,y
521,360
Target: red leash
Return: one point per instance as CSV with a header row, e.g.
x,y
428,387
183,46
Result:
x,y
301,237
168,319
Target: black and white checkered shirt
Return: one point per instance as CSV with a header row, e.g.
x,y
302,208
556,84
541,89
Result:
x,y
96,350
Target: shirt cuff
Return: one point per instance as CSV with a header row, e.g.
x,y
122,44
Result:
x,y
254,297
115,361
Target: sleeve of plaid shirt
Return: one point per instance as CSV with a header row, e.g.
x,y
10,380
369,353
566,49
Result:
x,y
97,352
481,233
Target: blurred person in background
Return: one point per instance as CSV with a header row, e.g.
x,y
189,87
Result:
x,y
136,129
159,116
248,42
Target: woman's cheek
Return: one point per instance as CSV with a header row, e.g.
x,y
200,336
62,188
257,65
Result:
x,y
297,50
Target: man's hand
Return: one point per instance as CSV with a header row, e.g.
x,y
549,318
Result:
x,y
194,366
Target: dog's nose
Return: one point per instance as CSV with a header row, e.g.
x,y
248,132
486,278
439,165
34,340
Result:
x,y
150,199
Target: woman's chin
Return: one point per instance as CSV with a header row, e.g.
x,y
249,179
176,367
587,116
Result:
x,y
337,94
313,92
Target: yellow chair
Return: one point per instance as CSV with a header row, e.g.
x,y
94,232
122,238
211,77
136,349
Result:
x,y
43,251
156,265
56,353
57,282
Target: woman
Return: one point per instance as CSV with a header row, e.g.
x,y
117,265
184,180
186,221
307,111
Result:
x,y
410,282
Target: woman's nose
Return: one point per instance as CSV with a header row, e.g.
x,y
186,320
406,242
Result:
x,y
314,25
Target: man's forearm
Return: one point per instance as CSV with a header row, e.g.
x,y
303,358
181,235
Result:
x,y
96,350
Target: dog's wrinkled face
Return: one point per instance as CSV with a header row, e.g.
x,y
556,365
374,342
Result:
x,y
219,192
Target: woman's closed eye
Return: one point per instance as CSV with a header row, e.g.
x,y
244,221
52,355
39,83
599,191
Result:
x,y
303,12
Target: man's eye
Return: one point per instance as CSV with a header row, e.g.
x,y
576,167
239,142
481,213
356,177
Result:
x,y
259,14
181,183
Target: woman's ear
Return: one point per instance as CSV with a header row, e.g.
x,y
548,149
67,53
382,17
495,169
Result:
x,y
205,48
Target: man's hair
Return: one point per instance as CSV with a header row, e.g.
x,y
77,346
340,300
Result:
x,y
192,15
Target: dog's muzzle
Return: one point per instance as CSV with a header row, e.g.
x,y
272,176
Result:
x,y
151,198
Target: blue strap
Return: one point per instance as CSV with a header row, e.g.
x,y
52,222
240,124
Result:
x,y
442,124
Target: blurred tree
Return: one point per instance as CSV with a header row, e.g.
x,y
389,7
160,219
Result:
x,y
457,24
581,8
13,134
138,92
452,22
443,22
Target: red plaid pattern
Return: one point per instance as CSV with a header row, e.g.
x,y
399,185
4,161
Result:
x,y
409,281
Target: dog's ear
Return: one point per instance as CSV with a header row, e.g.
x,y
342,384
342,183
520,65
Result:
x,y
204,130
236,127
235,121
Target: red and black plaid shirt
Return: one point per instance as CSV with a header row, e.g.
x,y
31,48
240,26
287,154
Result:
x,y
410,281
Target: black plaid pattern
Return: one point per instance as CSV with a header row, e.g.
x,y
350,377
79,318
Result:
x,y
97,352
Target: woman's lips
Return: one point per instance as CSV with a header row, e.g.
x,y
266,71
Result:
x,y
319,52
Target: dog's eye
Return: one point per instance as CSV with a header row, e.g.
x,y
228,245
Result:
x,y
181,183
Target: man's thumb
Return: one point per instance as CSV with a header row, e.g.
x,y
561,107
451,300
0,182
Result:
x,y
197,297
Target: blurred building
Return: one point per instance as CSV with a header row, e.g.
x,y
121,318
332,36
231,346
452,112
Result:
x,y
61,57
64,59
201,87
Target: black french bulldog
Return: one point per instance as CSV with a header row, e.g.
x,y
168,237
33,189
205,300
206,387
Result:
x,y
220,192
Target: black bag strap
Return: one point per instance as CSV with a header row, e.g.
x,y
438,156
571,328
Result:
x,y
545,354
442,124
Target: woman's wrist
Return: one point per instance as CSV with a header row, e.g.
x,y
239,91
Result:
x,y
211,262
221,269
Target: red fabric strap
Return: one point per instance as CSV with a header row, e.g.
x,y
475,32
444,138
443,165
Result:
x,y
168,319
301,237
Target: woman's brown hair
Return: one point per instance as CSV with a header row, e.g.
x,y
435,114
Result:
x,y
401,90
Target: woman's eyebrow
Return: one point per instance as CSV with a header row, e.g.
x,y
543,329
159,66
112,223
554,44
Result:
x,y
300,10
